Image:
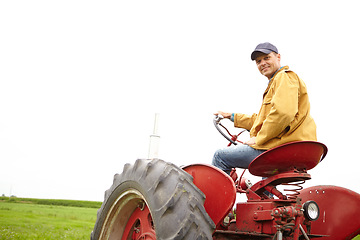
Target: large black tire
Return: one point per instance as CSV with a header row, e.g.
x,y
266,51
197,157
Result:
x,y
176,205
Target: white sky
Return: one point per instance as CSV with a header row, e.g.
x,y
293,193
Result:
x,y
81,81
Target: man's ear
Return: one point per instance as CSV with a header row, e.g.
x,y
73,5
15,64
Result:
x,y
279,57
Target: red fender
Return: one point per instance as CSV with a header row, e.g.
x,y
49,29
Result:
x,y
218,188
339,211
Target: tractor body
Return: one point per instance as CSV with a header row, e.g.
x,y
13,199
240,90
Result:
x,y
154,199
321,212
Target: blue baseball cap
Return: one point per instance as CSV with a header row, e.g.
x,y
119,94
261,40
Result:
x,y
263,48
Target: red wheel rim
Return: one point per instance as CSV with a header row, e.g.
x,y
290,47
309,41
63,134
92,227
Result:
x,y
140,225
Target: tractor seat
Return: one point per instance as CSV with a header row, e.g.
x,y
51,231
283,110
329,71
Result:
x,y
299,156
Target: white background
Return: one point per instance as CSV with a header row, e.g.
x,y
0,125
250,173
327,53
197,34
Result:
x,y
81,81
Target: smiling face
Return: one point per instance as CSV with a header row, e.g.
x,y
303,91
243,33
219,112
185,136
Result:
x,y
268,64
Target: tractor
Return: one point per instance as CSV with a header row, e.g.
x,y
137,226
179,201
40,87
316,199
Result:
x,y
153,199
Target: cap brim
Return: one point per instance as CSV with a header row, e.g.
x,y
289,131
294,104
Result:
x,y
255,53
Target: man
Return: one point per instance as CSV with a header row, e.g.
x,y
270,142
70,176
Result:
x,y
284,115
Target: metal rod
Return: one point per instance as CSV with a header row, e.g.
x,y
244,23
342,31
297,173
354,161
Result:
x,y
154,140
304,233
279,235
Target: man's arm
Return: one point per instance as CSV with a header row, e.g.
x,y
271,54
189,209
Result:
x,y
240,120
244,121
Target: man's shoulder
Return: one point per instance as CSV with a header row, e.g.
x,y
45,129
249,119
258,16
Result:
x,y
288,72
286,69
286,76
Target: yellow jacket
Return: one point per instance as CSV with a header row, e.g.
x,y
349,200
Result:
x,y
284,115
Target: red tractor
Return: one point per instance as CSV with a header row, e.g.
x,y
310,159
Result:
x,y
154,199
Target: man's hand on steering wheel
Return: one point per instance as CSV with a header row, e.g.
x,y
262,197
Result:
x,y
224,114
251,141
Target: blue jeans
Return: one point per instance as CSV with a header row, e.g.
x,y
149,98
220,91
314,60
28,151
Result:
x,y
239,156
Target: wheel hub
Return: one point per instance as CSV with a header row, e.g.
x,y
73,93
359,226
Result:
x,y
140,225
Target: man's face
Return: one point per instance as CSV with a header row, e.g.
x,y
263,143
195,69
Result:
x,y
268,64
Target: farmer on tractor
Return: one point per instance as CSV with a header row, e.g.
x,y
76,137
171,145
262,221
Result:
x,y
284,115
155,200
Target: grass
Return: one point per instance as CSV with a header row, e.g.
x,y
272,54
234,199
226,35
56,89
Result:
x,y
57,202
48,219
42,219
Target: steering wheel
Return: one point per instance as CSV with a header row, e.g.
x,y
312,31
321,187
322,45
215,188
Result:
x,y
231,138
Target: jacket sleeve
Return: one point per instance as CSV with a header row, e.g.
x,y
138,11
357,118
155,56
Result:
x,y
244,121
284,107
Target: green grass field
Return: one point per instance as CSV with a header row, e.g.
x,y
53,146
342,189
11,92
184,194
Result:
x,y
47,219
27,219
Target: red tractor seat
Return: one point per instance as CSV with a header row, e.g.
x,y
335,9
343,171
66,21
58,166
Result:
x,y
300,156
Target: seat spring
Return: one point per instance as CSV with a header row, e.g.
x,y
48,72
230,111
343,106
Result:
x,y
295,191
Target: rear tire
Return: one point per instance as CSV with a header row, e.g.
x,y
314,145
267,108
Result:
x,y
154,198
